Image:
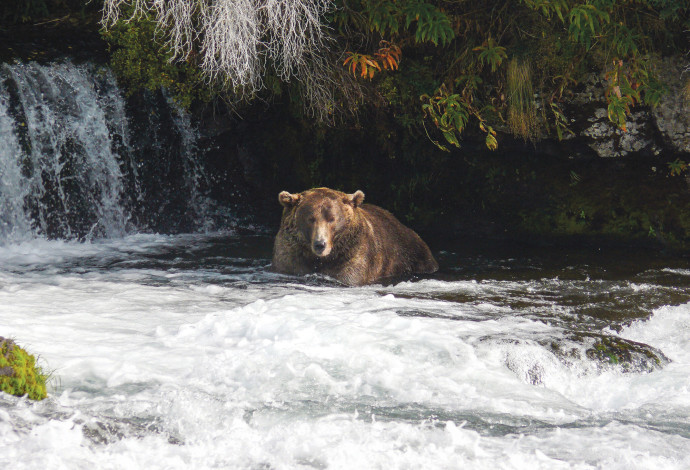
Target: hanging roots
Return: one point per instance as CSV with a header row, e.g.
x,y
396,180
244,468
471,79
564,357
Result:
x,y
238,38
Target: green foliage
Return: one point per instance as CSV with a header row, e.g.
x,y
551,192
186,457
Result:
x,y
19,374
432,25
587,22
559,120
462,49
449,112
677,167
140,61
383,16
491,53
549,7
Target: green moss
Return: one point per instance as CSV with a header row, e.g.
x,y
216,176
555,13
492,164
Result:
x,y
618,201
19,374
629,355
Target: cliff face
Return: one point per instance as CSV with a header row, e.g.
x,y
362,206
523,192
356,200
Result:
x,y
649,132
672,116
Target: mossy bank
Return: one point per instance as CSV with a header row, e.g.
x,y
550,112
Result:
x,y
19,374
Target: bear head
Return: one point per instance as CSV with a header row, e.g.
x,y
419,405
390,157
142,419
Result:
x,y
321,216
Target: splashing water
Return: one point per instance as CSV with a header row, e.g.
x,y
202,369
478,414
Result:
x,y
71,163
72,183
185,352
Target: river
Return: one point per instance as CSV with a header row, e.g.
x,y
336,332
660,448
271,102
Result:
x,y
185,351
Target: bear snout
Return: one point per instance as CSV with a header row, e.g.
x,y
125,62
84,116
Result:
x,y
319,247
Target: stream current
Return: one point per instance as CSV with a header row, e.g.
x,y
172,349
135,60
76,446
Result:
x,y
185,351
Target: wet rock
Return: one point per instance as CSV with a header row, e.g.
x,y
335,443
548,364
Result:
x,y
610,352
648,130
542,362
672,116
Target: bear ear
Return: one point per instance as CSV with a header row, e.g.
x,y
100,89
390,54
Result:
x,y
356,199
288,200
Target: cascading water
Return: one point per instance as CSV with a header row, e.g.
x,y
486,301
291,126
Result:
x,y
14,222
72,165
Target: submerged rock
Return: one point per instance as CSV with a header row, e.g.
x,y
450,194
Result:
x,y
610,352
19,374
542,362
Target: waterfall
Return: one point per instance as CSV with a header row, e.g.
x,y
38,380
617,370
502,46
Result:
x,y
14,222
77,161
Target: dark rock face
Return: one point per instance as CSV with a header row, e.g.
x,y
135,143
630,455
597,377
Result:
x,y
672,116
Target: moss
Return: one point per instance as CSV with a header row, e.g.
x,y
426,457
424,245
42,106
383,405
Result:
x,y
622,201
629,355
19,374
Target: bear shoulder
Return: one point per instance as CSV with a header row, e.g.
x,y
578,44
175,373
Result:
x,y
404,251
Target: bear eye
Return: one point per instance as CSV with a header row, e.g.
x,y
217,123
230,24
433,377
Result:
x,y
328,215
312,219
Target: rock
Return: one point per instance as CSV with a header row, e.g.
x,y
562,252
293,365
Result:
x,y
610,352
648,130
672,116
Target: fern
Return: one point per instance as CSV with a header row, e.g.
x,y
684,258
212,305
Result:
x,y
383,16
432,24
491,53
586,22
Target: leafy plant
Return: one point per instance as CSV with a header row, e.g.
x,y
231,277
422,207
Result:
x,y
383,16
559,120
491,53
450,112
388,55
366,64
586,22
677,167
432,24
386,58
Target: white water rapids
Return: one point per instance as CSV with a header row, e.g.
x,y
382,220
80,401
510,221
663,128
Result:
x,y
185,352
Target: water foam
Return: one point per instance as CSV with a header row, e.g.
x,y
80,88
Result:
x,y
167,365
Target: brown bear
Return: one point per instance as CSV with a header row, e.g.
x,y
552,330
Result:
x,y
333,233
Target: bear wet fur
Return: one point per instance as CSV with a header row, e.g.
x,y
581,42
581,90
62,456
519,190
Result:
x,y
333,233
